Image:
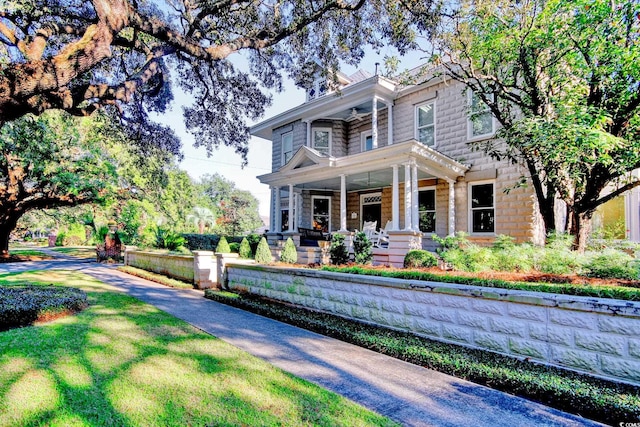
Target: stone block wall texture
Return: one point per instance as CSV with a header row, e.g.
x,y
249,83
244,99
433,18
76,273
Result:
x,y
591,335
177,266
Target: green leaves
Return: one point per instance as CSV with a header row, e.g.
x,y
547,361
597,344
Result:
x,y
566,79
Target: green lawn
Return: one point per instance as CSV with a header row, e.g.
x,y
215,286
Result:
x,y
123,362
79,252
29,253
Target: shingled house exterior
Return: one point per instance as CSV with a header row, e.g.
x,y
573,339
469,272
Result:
x,y
376,150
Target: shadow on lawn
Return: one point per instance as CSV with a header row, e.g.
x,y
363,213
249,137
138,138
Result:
x,y
122,362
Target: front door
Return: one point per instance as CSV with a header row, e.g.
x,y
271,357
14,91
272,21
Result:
x,y
371,208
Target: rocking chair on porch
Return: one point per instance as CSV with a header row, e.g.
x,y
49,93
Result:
x,y
381,237
369,230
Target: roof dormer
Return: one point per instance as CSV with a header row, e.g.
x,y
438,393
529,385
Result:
x,y
321,86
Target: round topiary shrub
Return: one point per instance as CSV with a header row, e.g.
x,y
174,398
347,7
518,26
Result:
x,y
338,251
263,253
245,249
420,259
362,248
223,246
289,253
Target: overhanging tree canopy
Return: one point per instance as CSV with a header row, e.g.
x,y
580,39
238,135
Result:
x,y
80,55
56,160
563,80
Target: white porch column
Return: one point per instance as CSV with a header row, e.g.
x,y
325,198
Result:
x,y
452,207
291,212
277,225
272,204
343,202
374,122
414,198
389,123
407,197
296,209
395,200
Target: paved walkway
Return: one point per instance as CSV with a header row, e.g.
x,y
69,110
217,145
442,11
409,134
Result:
x,y
408,394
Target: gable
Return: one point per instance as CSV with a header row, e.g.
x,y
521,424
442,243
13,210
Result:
x,y
306,157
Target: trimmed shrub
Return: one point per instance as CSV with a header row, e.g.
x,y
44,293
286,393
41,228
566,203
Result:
x,y
338,251
223,246
263,252
362,248
419,258
24,305
235,247
289,253
202,242
245,249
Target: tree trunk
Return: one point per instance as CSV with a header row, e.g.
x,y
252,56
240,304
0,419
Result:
x,y
5,231
581,229
547,210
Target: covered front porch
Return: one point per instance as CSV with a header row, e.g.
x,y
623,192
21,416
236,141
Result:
x,y
338,194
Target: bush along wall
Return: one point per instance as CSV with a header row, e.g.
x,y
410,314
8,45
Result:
x,y
209,242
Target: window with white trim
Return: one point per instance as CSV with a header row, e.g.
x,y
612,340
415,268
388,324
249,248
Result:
x,y
426,123
317,89
321,140
366,139
480,121
482,207
427,209
321,213
287,147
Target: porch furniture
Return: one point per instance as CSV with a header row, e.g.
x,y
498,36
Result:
x,y
310,236
382,236
369,230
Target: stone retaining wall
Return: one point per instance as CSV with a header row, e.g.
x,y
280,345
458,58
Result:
x,y
177,266
593,335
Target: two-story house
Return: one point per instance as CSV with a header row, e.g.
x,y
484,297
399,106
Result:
x,y
376,150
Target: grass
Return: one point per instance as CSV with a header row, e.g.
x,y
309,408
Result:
x,y
30,253
154,277
124,362
78,252
601,400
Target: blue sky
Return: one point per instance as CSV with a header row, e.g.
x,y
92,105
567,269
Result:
x,y
226,162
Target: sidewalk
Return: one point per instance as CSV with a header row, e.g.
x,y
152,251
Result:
x,y
408,394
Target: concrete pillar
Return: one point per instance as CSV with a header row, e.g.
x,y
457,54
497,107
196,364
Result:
x,y
205,271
